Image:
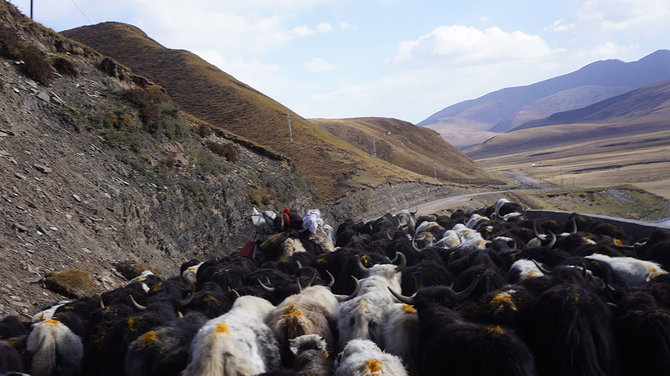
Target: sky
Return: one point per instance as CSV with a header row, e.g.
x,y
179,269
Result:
x,y
390,58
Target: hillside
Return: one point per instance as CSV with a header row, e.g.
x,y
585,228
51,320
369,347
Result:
x,y
401,143
508,108
91,178
201,89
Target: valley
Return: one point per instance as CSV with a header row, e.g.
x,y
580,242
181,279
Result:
x,y
642,160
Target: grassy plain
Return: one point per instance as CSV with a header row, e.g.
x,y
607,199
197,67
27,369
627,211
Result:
x,y
642,160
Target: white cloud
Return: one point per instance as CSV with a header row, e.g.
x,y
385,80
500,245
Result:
x,y
324,27
459,44
611,50
302,31
346,26
414,94
484,20
319,65
625,14
305,31
562,25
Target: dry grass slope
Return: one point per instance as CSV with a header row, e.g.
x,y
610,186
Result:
x,y
414,148
201,89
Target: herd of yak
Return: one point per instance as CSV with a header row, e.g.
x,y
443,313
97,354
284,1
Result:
x,y
483,293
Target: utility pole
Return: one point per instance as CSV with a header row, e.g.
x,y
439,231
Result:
x,y
31,9
435,169
290,132
374,147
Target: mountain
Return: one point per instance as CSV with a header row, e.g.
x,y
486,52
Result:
x,y
403,144
331,164
642,111
505,109
631,106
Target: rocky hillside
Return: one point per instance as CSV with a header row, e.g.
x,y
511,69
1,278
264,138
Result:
x,y
99,167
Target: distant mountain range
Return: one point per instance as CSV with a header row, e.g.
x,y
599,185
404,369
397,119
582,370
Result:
x,y
470,122
642,111
633,106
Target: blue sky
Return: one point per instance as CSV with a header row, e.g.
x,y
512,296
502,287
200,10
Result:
x,y
390,58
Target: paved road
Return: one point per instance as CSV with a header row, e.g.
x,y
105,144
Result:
x,y
525,180
461,200
447,202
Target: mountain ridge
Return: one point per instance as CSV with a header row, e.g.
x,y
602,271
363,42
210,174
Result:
x,y
497,111
203,90
641,111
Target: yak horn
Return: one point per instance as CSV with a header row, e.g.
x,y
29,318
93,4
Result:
x,y
542,268
361,266
332,279
137,305
537,234
574,226
403,261
402,298
413,241
552,241
353,294
102,303
180,315
266,288
462,295
187,300
236,293
299,264
311,280
297,280
584,269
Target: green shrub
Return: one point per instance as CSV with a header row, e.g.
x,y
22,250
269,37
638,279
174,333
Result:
x,y
204,130
157,112
197,190
104,120
65,66
132,162
37,65
134,140
127,122
227,150
174,128
121,121
207,163
10,44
